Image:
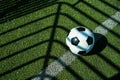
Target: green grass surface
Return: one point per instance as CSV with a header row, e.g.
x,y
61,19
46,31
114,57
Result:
x,y
29,37
106,62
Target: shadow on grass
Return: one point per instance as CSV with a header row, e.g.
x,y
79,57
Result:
x,y
100,43
100,11
19,8
42,75
110,5
115,77
47,55
99,46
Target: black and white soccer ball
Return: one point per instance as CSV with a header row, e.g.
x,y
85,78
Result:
x,y
80,40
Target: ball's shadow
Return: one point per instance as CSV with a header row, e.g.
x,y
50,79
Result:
x,y
100,44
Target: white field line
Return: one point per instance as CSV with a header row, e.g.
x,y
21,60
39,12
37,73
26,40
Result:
x,y
109,23
55,67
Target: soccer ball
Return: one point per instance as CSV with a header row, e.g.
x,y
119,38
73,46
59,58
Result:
x,y
80,40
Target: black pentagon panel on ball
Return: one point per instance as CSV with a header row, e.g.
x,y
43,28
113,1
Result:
x,y
75,41
89,40
81,29
81,52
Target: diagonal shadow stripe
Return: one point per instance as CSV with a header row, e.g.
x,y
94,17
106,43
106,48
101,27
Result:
x,y
91,67
45,74
48,52
71,18
64,14
98,10
115,77
24,25
77,2
28,35
25,64
99,73
109,62
31,34
96,71
24,7
84,15
61,63
110,5
114,48
39,31
34,60
94,20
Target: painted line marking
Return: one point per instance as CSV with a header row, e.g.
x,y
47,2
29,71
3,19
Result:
x,y
110,24
55,67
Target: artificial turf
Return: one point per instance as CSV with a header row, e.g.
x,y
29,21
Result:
x,y
28,40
